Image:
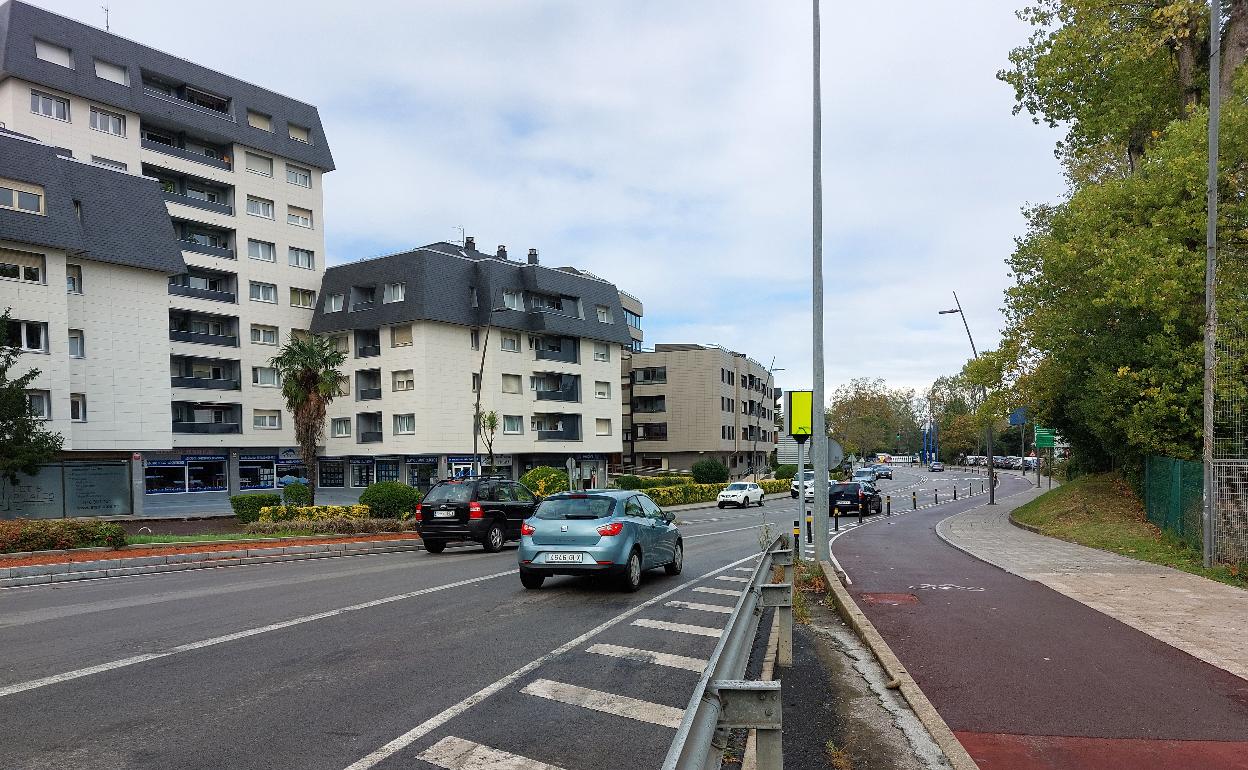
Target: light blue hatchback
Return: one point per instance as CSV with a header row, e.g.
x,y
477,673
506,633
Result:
x,y
618,532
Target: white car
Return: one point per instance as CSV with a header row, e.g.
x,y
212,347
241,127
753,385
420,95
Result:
x,y
741,494
806,476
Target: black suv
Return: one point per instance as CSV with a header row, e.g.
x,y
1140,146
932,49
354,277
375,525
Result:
x,y
481,509
850,497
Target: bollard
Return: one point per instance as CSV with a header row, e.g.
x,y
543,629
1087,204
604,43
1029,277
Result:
x,y
936,492
836,520
914,500
955,491
810,530
888,505
861,506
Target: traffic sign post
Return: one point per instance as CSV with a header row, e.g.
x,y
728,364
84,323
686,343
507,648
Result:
x,y
799,418
1046,438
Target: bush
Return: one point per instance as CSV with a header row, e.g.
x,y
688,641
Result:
x,y
333,526
289,512
247,507
296,494
390,500
58,534
544,480
650,482
709,472
786,472
775,486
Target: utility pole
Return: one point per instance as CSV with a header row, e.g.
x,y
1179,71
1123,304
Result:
x,y
1211,270
992,468
819,443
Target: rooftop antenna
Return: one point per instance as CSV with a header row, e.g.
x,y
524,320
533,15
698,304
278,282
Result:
x,y
460,228
106,26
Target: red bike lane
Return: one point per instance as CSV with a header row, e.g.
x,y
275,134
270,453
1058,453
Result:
x,y
1028,678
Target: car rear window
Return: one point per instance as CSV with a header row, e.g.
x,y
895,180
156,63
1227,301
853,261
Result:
x,y
450,492
588,507
850,488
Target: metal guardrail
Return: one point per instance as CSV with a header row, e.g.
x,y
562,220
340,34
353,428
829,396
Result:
x,y
723,700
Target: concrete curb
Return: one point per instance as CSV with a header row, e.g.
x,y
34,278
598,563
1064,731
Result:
x,y
37,574
953,749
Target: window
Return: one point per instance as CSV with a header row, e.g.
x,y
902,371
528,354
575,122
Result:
x,y
77,344
115,165
404,424
258,164
21,266
602,389
259,207
108,122
513,300
297,175
476,382
511,342
261,250
57,54
393,292
298,217
264,376
604,314
650,375
602,427
632,319
259,120
400,336
602,351
73,279
31,336
333,303
404,380
302,258
299,133
40,403
266,419
263,292
340,427
302,297
78,407
109,71
512,383
263,335
49,106
513,424
341,343
474,339
22,197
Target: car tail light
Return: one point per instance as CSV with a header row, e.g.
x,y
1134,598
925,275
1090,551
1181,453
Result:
x,y
612,529
474,511
860,494
527,528
419,515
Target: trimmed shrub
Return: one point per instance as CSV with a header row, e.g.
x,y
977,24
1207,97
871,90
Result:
x,y
289,512
775,486
709,472
296,494
650,482
19,535
247,507
544,480
786,472
334,526
390,500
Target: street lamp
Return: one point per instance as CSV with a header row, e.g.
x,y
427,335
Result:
x,y
771,373
476,410
992,469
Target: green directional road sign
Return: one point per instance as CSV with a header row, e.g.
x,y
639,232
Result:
x,y
1044,438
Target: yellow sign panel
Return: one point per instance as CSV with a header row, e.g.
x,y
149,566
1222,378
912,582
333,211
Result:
x,y
799,412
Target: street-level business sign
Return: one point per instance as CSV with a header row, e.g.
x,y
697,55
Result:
x,y
799,414
1045,438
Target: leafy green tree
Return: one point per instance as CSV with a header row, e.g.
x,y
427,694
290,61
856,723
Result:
x,y
308,368
27,442
487,424
865,416
709,472
545,480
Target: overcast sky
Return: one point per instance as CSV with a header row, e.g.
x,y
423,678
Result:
x,y
665,145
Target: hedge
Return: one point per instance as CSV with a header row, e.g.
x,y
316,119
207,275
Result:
x,y
247,507
544,480
296,493
334,526
709,472
775,486
289,512
390,499
650,482
786,472
685,494
18,535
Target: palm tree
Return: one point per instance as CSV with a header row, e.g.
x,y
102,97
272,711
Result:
x,y
308,368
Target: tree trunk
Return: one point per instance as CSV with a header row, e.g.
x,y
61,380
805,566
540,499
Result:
x,y
1234,45
1187,55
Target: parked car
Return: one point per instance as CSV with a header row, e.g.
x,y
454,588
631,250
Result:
x,y
868,475
741,494
616,532
936,467
481,509
850,497
883,472
810,489
803,477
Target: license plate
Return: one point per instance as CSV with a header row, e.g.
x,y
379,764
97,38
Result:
x,y
444,514
564,557
843,503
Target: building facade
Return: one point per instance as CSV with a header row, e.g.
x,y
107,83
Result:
x,y
696,402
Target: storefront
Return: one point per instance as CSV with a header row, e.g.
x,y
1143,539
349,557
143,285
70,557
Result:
x,y
460,465
591,468
187,473
388,468
362,472
332,473
422,470
257,472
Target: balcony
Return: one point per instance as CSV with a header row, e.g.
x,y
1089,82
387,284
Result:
x,y
199,203
367,351
572,433
205,383
568,427
185,154
207,428
363,305
367,394
567,354
370,437
209,294
191,98
203,248
226,340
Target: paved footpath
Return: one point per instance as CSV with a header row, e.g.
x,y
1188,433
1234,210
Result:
x,y
1029,678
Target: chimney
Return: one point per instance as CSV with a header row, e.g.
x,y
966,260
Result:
x,y
502,252
470,243
532,256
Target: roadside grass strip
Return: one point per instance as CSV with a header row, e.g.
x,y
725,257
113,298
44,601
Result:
x,y
700,607
607,703
679,628
697,665
716,591
458,754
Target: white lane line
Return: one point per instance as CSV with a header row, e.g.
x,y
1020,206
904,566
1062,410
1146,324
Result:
x,y
733,579
723,532
649,656
680,628
437,720
607,703
701,607
458,754
716,591
125,662
744,569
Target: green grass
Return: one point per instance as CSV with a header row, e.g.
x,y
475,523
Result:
x,y
209,537
1102,511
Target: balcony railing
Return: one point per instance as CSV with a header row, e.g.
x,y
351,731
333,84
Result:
x,y
192,291
368,351
203,248
185,154
207,428
572,433
363,305
368,394
227,340
370,437
205,383
199,203
567,356
159,94
571,394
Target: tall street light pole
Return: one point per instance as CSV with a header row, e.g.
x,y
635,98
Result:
x,y
1211,270
476,409
819,437
992,468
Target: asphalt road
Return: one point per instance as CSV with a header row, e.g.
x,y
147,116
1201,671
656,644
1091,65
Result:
x,y
400,660
1028,678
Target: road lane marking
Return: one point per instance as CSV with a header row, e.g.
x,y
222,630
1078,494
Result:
x,y
722,532
697,665
607,703
716,591
458,754
701,607
744,569
680,628
126,662
733,579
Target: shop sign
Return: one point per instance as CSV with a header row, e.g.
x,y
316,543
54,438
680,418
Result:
x,y
164,463
361,461
460,459
258,458
422,459
204,458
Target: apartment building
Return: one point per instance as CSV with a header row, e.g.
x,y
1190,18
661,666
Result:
x,y
239,169
429,330
695,402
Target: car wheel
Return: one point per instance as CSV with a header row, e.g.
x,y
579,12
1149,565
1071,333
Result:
x,y
435,546
760,501
721,506
493,542
631,580
678,562
793,495
532,580
745,502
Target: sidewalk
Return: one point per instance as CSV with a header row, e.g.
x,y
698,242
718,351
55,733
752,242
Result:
x,y
1201,617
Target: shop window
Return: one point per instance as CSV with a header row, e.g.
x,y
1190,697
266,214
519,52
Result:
x,y
387,470
332,473
256,474
361,474
206,476
159,479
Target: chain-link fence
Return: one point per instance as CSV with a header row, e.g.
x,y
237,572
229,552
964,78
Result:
x,y
1174,496
1230,434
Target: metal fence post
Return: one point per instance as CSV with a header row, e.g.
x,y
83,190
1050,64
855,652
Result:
x,y
780,596
755,705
